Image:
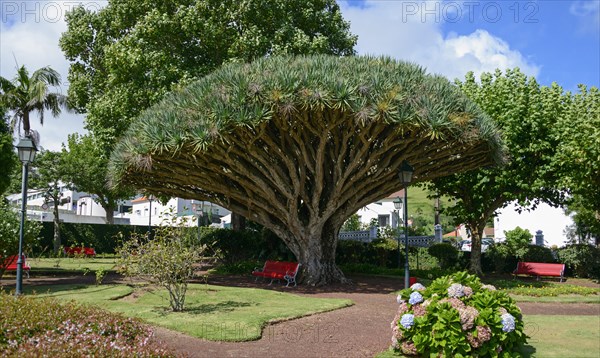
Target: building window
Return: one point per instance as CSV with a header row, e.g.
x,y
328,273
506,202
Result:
x,y
384,220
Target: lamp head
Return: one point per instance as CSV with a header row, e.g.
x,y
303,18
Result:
x,y
398,203
406,173
27,150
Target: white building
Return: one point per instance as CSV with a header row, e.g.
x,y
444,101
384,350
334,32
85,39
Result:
x,y
147,212
383,211
74,207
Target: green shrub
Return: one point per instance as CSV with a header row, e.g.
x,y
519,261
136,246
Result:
x,y
43,327
379,252
581,259
105,239
537,253
500,258
230,246
166,260
518,241
255,243
446,254
242,267
457,316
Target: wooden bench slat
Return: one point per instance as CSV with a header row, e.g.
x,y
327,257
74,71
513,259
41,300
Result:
x,y
12,264
540,269
279,270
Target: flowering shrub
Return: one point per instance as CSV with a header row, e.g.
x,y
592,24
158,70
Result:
x,y
457,316
168,259
43,327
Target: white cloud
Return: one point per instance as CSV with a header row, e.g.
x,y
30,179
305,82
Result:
x,y
411,31
589,14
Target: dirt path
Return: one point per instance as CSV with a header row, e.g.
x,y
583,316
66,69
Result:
x,y
362,330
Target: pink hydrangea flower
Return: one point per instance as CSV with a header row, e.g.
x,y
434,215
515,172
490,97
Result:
x,y
454,302
419,310
409,348
468,315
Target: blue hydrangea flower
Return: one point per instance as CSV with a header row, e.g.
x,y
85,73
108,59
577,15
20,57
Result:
x,y
508,322
399,299
407,320
456,290
417,287
415,298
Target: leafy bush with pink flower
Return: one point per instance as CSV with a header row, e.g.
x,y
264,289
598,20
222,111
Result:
x,y
43,327
457,316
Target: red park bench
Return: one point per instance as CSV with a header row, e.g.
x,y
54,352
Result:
x,y
540,269
12,264
78,250
278,270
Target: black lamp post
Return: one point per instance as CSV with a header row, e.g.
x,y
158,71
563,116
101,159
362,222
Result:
x,y
27,150
398,206
405,174
150,199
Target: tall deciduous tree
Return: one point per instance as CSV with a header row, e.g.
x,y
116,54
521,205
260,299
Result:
x,y
26,94
85,166
526,113
48,175
578,159
299,144
126,56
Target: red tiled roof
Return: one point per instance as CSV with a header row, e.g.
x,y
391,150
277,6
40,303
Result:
x,y
396,194
139,200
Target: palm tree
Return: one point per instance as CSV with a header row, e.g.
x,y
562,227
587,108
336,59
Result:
x,y
25,94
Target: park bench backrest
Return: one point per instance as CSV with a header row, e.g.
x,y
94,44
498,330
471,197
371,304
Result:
x,y
10,263
280,266
540,268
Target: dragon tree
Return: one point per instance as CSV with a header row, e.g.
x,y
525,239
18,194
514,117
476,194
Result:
x,y
298,144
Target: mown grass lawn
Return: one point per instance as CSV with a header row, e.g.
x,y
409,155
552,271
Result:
x,y
72,264
562,336
212,312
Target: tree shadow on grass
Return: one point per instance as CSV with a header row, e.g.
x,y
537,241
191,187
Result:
x,y
221,307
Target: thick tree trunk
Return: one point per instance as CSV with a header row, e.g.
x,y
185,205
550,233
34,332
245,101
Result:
x,y
56,230
318,259
110,213
476,235
26,127
238,222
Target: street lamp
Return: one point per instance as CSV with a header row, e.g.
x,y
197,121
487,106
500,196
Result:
x,y
398,206
405,174
26,149
150,199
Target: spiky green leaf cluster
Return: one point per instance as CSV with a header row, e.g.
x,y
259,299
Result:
x,y
364,89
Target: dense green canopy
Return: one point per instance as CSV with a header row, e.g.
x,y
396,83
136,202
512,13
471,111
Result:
x,y
298,144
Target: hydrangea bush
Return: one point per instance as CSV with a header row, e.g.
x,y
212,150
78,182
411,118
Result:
x,y
457,316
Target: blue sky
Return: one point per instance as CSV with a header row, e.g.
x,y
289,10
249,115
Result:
x,y
558,40
553,40
563,37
